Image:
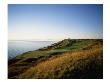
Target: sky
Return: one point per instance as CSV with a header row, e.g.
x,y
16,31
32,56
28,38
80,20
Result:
x,y
55,21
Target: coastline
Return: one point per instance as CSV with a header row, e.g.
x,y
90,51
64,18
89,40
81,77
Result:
x,y
56,50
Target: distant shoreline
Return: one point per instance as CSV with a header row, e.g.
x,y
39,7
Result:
x,y
19,47
78,58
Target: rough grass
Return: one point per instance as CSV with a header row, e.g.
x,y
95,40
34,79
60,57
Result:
x,y
82,64
65,59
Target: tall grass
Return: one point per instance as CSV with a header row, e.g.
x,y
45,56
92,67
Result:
x,y
86,63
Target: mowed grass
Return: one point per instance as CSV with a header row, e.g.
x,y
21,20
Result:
x,y
82,64
66,46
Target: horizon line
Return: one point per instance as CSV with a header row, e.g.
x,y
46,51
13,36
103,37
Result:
x,y
51,39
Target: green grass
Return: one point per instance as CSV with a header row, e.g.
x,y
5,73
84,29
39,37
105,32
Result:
x,y
33,54
72,46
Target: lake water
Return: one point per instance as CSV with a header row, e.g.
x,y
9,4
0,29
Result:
x,y
18,47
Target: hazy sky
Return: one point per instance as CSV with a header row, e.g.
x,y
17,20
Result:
x,y
54,22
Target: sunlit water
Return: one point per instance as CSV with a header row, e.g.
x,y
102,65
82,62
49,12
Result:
x,y
18,47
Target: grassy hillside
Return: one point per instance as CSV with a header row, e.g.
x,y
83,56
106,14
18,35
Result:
x,y
81,58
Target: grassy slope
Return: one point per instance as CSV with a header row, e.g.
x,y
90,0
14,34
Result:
x,y
79,59
62,46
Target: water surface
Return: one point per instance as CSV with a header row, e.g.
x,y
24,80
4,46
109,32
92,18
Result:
x,y
18,47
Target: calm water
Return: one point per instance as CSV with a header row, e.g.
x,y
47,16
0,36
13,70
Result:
x,y
18,47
